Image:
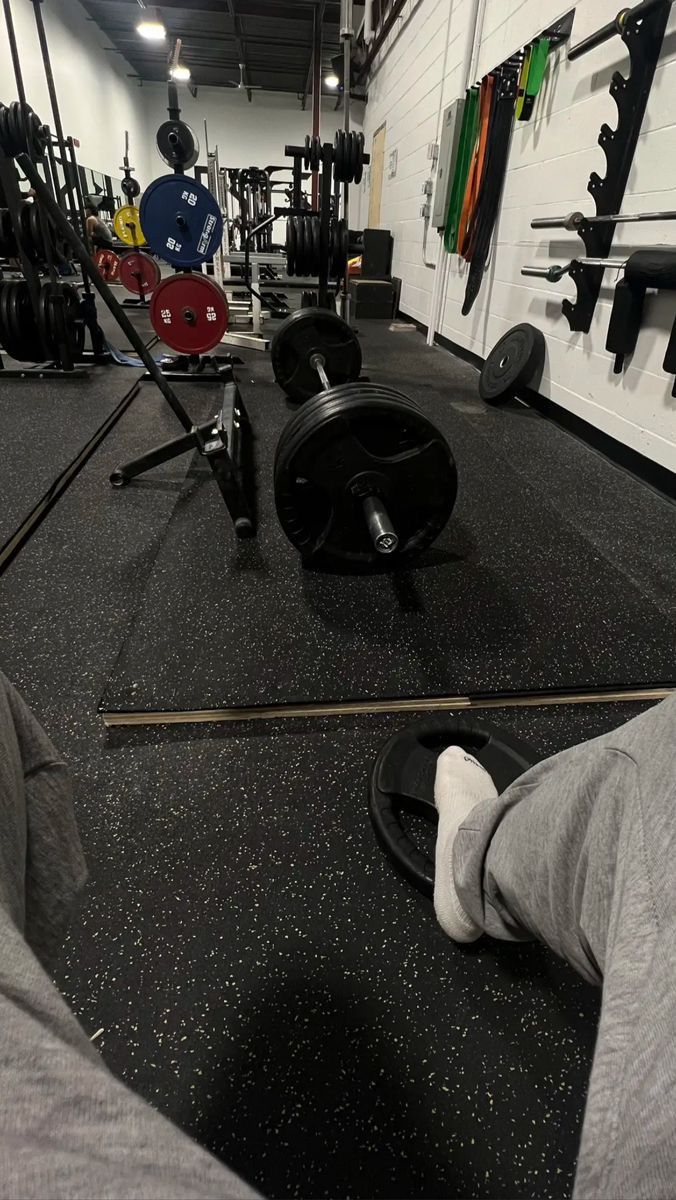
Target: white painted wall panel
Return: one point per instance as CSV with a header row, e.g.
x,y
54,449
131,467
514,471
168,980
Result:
x,y
97,100
550,161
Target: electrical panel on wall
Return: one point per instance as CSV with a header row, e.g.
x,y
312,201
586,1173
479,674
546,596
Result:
x,y
450,135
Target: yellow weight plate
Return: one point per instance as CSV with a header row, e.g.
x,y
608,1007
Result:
x,y
127,225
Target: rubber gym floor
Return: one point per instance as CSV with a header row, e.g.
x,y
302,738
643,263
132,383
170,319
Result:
x,y
250,961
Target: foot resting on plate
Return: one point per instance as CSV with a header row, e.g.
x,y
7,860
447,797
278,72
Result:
x,y
461,783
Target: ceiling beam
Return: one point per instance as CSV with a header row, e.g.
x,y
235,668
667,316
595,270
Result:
x,y
239,42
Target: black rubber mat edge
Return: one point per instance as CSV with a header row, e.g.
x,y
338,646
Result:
x,y
36,516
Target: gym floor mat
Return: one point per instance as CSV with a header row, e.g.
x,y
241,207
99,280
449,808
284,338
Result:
x,y
262,974
512,597
67,599
43,425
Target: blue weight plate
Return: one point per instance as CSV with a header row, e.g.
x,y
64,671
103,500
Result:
x,y
181,220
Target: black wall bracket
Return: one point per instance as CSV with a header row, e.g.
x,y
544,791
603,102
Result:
x,y
642,33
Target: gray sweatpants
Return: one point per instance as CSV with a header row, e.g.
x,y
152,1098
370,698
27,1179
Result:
x,y
577,853
67,1127
580,853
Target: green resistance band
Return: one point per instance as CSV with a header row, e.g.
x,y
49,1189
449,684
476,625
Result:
x,y
536,73
523,80
463,159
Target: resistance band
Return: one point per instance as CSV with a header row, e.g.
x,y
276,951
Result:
x,y
497,154
468,131
537,65
476,170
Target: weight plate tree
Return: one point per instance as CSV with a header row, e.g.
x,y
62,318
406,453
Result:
x,y
362,474
189,313
177,145
401,784
127,226
181,220
139,272
515,362
306,333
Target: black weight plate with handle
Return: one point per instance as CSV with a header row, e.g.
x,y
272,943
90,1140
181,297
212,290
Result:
x,y
515,362
307,332
354,441
401,784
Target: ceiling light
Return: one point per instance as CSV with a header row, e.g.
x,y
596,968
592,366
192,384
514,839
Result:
x,y
332,80
154,31
180,73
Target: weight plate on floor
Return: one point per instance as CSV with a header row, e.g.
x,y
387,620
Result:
x,y
127,226
401,784
308,332
177,145
139,273
189,313
351,442
516,361
182,221
108,265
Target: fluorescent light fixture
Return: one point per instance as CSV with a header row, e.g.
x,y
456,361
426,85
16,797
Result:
x,y
180,73
153,31
332,80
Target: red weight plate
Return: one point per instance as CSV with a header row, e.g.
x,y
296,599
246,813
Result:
x,y
189,313
139,273
108,264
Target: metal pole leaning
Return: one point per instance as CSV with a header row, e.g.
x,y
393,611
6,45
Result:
x,y
64,226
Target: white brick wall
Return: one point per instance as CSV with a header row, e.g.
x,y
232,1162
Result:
x,y
550,161
96,99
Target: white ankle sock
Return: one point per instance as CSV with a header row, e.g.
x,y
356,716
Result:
x,y
461,783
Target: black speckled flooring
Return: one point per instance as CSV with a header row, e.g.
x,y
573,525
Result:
x,y
262,974
259,971
514,596
43,426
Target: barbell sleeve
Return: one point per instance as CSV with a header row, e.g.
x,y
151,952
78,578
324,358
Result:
x,y
380,527
575,219
604,34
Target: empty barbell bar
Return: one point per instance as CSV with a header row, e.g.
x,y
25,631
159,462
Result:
x,y
574,219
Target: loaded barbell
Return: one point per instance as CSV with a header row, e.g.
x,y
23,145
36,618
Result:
x,y
361,474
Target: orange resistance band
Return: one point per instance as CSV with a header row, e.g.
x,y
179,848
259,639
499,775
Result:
x,y
465,238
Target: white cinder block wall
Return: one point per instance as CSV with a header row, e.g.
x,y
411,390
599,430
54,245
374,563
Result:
x,y
96,99
551,157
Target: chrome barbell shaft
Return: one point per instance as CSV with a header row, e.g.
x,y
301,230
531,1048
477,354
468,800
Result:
x,y
317,362
573,220
555,272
